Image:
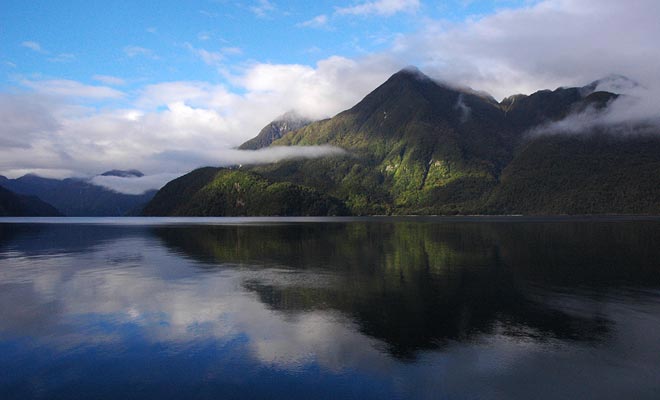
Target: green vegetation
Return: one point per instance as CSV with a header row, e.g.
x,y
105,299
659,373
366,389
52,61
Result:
x,y
232,192
419,147
590,174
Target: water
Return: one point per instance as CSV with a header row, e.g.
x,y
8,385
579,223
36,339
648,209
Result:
x,y
457,308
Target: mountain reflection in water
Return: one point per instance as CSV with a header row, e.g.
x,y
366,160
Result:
x,y
351,308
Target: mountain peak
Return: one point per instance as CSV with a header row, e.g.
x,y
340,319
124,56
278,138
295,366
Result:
x,y
613,83
410,72
285,123
292,116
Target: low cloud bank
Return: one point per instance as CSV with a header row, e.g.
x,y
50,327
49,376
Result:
x,y
230,157
635,111
277,153
133,185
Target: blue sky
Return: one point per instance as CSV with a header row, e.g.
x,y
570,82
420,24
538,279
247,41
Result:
x,y
167,86
152,41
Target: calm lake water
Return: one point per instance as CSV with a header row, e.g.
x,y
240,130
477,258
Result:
x,y
281,308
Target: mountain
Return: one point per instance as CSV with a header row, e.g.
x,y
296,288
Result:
x,y
78,197
584,174
417,146
282,125
232,192
415,143
14,205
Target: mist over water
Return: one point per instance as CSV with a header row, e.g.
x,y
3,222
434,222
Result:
x,y
330,308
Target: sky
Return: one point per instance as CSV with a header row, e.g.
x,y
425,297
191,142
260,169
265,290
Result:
x,y
167,86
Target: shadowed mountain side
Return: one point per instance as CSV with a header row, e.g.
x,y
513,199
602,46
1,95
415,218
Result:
x,y
583,174
414,286
232,192
15,205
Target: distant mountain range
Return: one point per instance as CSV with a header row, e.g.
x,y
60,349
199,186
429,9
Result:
x,y
417,146
77,196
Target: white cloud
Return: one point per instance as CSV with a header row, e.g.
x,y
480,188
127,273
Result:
x,y
133,185
34,46
336,83
320,21
213,58
221,158
109,80
380,7
552,43
69,88
25,119
209,57
173,127
231,50
262,8
135,51
275,154
63,58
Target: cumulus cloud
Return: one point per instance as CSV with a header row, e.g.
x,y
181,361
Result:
x,y
380,7
550,44
172,128
336,83
546,45
25,119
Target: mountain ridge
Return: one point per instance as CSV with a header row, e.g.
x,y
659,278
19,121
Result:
x,y
79,197
423,147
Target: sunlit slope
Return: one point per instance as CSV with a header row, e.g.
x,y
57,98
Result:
x,y
415,144
232,192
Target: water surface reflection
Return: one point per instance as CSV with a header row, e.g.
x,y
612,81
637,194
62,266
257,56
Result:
x,y
361,309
